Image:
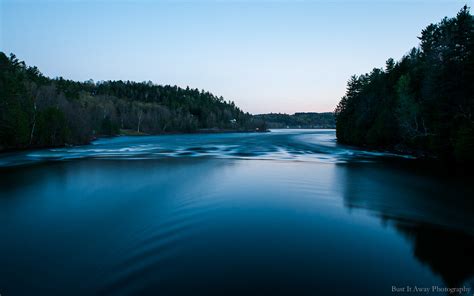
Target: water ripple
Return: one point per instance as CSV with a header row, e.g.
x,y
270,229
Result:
x,y
309,145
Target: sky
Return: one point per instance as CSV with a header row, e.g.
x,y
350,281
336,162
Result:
x,y
266,56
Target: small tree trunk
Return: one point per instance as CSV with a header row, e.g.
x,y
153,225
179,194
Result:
x,y
34,124
139,120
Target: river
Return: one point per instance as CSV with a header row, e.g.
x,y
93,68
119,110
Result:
x,y
288,212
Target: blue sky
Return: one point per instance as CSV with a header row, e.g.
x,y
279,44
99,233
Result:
x,y
267,56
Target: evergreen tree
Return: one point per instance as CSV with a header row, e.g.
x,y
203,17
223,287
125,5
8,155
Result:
x,y
422,103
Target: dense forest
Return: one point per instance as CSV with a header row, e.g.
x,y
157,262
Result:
x,y
36,111
298,120
422,104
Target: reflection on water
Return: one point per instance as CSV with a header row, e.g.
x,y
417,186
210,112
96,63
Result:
x,y
435,213
447,252
405,192
286,213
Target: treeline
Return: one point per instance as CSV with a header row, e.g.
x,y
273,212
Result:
x,y
36,111
298,120
423,103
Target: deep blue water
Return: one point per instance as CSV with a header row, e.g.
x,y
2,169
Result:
x,y
280,213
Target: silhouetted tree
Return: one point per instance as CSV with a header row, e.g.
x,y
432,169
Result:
x,y
423,103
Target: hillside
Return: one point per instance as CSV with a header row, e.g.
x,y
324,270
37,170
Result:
x,y
37,111
298,120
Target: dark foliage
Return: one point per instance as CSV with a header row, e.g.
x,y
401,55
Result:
x,y
298,120
421,104
36,111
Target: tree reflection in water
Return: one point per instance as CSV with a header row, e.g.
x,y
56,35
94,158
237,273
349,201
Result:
x,y
424,209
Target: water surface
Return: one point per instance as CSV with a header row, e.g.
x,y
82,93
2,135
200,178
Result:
x,y
285,213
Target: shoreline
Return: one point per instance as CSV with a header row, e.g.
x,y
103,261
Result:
x,y
423,159
129,133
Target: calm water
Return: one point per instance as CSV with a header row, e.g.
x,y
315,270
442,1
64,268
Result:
x,y
280,213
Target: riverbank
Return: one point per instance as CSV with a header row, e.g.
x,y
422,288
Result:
x,y
132,133
420,159
124,132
